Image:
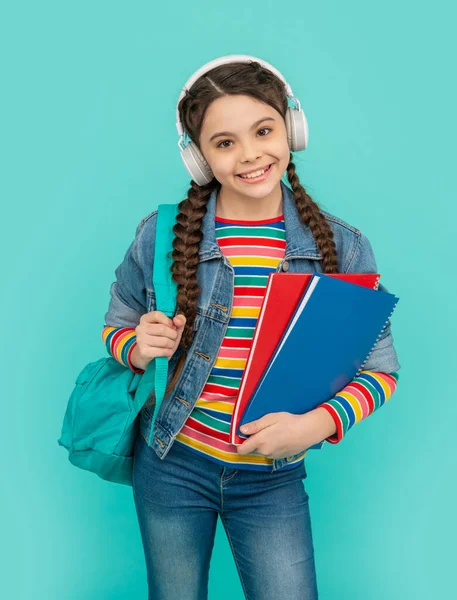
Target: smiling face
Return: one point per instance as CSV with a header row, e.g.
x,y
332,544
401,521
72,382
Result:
x,y
241,134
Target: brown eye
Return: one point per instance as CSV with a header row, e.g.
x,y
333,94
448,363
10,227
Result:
x,y
223,142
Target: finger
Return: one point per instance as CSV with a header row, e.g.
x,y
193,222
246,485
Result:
x,y
246,448
159,341
161,330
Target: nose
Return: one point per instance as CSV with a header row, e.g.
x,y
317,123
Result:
x,y
250,152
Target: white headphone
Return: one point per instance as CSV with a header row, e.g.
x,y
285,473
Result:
x,y
296,123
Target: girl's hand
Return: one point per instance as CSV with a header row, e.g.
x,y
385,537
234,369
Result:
x,y
156,335
281,434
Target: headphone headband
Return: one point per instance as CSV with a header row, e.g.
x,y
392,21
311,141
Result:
x,y
223,60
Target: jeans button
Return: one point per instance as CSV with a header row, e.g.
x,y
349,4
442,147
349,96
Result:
x,y
285,266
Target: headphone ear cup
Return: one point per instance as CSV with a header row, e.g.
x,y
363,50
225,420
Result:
x,y
196,165
297,129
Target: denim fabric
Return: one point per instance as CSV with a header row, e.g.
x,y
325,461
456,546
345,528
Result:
x,y
132,295
265,515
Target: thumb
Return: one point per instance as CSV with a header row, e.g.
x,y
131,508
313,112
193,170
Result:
x,y
250,428
259,424
179,321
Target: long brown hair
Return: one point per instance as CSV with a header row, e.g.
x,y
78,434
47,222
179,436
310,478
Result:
x,y
250,79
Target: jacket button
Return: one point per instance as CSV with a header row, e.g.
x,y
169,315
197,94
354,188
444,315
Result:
x,y
285,266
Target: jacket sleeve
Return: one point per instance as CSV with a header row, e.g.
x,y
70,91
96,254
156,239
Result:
x,y
129,297
383,357
376,383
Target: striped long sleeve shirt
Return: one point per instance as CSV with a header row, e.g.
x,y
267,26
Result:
x,y
254,249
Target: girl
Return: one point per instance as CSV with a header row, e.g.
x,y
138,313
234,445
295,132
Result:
x,y
238,223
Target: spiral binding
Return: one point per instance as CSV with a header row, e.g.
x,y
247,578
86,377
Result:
x,y
380,333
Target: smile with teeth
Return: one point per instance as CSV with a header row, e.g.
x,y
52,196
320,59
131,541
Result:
x,y
255,173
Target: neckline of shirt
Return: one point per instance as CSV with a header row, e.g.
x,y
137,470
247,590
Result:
x,y
250,222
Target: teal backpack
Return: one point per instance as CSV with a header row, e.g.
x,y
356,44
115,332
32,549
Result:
x,y
101,421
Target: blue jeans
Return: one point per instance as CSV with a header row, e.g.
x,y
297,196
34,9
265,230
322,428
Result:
x,y
265,515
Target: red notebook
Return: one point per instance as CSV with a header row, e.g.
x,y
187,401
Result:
x,y
282,294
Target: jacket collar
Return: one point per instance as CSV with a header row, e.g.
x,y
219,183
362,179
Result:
x,y
299,239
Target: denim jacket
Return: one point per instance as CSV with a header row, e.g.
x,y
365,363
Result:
x,y
132,295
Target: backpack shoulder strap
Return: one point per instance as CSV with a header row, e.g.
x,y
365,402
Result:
x,y
156,374
165,288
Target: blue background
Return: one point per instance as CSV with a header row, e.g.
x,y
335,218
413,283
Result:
x,y
89,147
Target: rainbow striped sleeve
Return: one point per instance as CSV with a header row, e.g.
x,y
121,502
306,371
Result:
x,y
366,393
120,342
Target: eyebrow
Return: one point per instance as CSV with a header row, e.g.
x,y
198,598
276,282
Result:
x,y
233,135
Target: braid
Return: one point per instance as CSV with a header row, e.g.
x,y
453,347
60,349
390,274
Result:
x,y
186,246
312,216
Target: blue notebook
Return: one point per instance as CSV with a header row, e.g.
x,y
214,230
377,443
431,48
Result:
x,y
329,338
